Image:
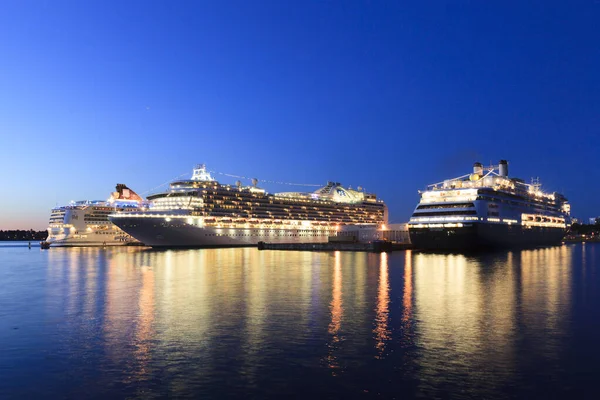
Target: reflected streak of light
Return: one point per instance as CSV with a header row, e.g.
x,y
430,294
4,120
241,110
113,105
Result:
x,y
144,332
73,279
256,316
546,296
336,301
90,284
407,296
337,310
583,258
382,312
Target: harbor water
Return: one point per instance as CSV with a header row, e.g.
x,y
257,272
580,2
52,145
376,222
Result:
x,y
133,322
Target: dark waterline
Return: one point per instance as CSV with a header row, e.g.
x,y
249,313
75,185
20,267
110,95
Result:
x,y
231,323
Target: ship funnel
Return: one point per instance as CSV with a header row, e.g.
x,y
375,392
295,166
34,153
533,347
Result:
x,y
478,169
238,183
124,193
503,168
254,182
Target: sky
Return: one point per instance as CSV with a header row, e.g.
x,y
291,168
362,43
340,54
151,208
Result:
x,y
387,95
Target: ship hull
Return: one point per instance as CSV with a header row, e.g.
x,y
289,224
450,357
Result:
x,y
484,236
62,238
156,232
85,243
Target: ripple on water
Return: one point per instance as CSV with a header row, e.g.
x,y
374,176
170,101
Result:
x,y
227,323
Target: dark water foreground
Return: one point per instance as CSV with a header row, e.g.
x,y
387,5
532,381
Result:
x,y
241,323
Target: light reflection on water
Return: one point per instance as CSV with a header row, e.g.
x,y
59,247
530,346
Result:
x,y
139,323
382,333
337,312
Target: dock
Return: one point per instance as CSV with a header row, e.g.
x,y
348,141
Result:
x,y
373,247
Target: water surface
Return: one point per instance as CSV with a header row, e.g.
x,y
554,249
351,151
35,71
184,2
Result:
x,y
230,323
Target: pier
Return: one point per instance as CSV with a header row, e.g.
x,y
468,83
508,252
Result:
x,y
374,247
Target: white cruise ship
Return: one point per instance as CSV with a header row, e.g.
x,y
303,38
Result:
x,y
488,209
85,223
201,212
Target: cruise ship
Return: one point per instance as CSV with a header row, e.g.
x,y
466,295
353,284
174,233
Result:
x,y
201,212
85,223
488,209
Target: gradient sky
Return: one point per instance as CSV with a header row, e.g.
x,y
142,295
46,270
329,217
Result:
x,y
389,95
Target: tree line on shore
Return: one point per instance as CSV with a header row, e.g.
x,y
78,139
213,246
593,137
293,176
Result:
x,y
585,229
23,235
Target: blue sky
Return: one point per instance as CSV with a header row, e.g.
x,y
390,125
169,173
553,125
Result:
x,y
384,94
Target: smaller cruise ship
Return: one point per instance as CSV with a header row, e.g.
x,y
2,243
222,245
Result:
x,y
85,223
488,209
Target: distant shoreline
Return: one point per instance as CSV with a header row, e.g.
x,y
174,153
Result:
x,y
21,240
19,235
581,240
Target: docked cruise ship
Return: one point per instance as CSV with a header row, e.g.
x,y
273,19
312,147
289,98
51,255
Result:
x,y
85,223
488,209
201,212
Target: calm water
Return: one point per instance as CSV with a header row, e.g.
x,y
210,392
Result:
x,y
230,323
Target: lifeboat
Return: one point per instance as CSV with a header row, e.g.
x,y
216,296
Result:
x,y
209,220
226,220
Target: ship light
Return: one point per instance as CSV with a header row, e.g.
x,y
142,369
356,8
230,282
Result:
x,y
417,226
455,195
167,219
458,225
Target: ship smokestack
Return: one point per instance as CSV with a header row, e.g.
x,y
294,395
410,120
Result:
x,y
478,169
503,168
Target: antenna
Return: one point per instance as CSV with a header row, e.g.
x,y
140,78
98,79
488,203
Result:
x,y
535,182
